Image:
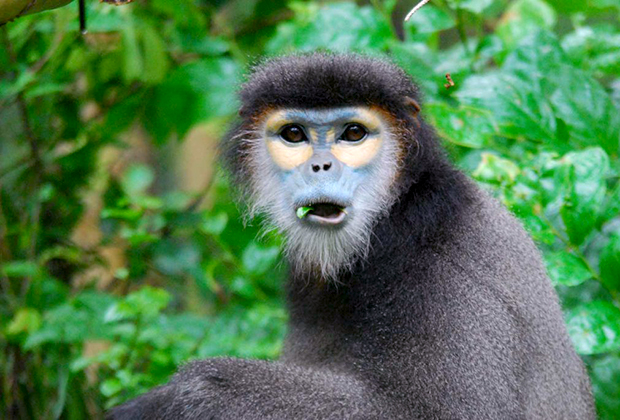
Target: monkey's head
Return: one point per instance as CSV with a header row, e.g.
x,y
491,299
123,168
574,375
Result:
x,y
322,149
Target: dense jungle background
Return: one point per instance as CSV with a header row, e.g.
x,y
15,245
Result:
x,y
122,254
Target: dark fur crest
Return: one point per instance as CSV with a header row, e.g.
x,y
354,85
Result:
x,y
321,80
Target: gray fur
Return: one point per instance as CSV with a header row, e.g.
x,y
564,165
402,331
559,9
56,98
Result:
x,y
448,315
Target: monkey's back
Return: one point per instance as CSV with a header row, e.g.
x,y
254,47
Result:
x,y
503,264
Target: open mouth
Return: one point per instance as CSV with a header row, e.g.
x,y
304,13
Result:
x,y
322,213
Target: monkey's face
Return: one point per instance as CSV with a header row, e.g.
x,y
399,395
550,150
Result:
x,y
324,176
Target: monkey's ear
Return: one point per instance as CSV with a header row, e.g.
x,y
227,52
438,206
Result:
x,y
413,105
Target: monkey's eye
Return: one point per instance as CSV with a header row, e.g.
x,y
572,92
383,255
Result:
x,y
354,132
293,133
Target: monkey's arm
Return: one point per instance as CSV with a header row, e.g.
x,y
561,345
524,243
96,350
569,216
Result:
x,y
237,389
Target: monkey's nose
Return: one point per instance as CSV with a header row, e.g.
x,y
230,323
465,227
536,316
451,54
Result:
x,y
322,166
325,167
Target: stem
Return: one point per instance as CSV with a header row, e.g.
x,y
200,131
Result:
x,y
35,154
5,254
460,27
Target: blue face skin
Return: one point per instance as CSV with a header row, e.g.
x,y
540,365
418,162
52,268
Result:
x,y
333,163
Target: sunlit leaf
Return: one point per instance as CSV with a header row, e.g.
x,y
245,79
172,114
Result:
x,y
610,263
474,6
465,126
430,19
594,327
522,17
25,320
567,269
335,26
586,171
144,303
605,374
493,168
258,259
137,179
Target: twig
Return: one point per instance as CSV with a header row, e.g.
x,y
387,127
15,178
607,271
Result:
x,y
415,9
25,9
460,27
23,109
82,9
450,81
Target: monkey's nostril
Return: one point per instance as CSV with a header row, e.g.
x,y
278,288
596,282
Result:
x,y
316,168
327,166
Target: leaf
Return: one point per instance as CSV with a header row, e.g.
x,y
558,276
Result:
x,y
155,57
605,373
145,303
594,48
609,263
19,269
474,6
137,179
520,109
25,320
110,387
586,171
586,108
258,259
612,206
539,230
44,89
602,4
335,26
303,211
464,126
243,287
418,60
522,17
594,327
13,8
133,61
215,224
104,19
176,258
566,269
193,93
430,19
74,321
518,93
495,169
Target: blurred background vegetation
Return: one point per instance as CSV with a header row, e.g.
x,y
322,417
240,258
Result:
x,y
121,252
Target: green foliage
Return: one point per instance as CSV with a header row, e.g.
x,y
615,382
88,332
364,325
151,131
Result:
x,y
534,117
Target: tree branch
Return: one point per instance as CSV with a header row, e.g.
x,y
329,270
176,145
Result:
x,y
415,9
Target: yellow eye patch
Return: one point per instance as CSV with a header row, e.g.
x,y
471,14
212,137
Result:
x,y
289,157
356,155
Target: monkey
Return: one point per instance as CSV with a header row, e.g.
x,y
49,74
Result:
x,y
412,294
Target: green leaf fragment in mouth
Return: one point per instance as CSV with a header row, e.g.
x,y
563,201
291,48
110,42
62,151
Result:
x,y
303,211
